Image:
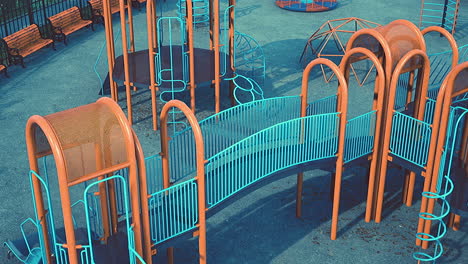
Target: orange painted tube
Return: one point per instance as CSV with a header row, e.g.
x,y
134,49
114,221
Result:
x,y
140,158
410,179
151,28
192,84
231,49
440,125
437,119
342,109
231,34
389,117
387,63
33,165
132,169
110,48
378,106
200,160
130,27
456,222
450,39
217,81
36,122
102,194
125,60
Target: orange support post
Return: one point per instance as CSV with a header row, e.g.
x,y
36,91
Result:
x,y
152,45
110,48
433,144
378,106
123,26
217,80
200,160
440,125
192,85
342,107
422,86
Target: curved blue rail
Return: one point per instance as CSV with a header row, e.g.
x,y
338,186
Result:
x,y
247,143
278,147
249,57
444,188
169,83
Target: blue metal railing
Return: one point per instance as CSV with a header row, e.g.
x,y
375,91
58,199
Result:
x,y
173,211
270,150
444,188
227,128
322,106
410,139
360,132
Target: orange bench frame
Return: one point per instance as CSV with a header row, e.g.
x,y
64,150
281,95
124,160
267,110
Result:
x,y
67,22
3,68
18,50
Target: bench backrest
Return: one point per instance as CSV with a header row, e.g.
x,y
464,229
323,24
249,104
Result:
x,y
97,4
24,37
66,18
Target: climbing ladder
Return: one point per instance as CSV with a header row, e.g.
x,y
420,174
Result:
x,y
200,8
443,13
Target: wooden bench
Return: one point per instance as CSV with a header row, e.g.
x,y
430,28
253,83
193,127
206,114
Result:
x,y
3,69
67,22
98,9
139,3
24,42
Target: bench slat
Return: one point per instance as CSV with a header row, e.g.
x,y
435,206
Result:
x,y
69,21
27,40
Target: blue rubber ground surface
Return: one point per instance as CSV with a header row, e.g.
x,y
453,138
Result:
x,y
259,226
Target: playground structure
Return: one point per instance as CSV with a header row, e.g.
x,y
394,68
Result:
x,y
329,41
443,13
86,143
212,160
410,134
307,5
169,65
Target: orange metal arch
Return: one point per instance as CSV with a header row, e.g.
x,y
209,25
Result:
x,y
439,133
145,222
378,105
200,160
125,51
386,60
189,25
39,122
450,39
110,47
419,110
342,108
152,45
35,122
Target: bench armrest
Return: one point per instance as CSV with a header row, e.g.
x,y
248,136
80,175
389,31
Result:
x,y
14,51
97,12
57,30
